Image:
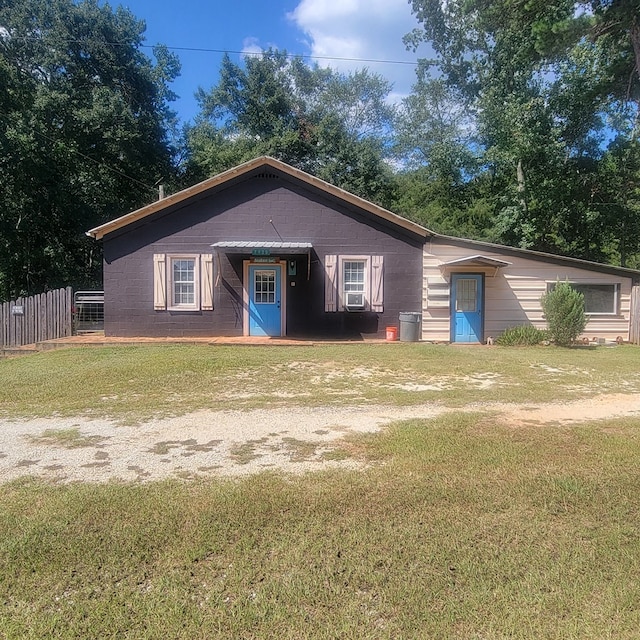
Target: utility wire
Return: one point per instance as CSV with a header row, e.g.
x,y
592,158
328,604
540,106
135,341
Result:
x,y
199,50
242,52
288,55
98,162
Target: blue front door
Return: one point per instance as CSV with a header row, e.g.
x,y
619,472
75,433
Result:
x,y
466,307
265,314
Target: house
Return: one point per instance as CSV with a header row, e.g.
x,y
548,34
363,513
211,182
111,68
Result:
x,y
267,249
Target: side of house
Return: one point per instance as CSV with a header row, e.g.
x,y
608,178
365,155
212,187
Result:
x,y
261,250
266,249
474,290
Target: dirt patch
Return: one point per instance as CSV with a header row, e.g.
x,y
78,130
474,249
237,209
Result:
x,y
233,443
600,407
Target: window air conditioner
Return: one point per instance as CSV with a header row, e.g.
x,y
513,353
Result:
x,y
354,301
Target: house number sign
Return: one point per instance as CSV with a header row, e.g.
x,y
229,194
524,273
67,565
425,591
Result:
x,y
267,260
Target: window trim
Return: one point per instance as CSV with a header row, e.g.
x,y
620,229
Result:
x,y
616,295
342,259
171,293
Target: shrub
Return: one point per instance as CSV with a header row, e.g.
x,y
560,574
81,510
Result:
x,y
563,307
521,336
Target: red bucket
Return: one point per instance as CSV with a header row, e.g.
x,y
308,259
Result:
x,y
391,334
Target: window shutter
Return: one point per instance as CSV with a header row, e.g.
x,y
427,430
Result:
x,y
377,284
206,281
159,281
330,289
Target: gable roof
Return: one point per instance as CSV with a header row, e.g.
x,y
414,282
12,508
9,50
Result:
x,y
243,169
538,255
364,205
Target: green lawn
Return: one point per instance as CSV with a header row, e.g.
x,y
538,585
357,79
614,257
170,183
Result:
x,y
136,383
460,528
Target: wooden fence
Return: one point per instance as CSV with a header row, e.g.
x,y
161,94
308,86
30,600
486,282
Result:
x,y
43,317
634,316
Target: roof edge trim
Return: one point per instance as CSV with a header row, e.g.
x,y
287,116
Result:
x,y
541,255
118,223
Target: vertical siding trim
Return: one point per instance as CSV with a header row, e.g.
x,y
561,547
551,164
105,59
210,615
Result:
x,y
330,288
634,315
159,281
377,284
206,282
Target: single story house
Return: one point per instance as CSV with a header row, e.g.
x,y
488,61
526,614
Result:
x,y
267,249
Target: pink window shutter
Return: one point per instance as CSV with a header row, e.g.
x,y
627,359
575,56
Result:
x,y
159,282
377,284
330,285
206,282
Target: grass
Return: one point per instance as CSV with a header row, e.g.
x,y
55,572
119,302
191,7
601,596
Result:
x,y
68,438
467,530
137,383
459,528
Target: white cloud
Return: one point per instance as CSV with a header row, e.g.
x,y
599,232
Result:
x,y
251,46
360,29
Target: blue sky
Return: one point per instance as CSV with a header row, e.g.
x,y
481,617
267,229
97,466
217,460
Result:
x,y
356,29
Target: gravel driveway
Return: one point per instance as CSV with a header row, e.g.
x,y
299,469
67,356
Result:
x,y
233,443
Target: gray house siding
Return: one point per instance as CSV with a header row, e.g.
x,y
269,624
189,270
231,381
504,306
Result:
x,y
258,207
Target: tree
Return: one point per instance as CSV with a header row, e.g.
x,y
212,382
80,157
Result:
x,y
617,199
435,143
549,82
83,126
332,125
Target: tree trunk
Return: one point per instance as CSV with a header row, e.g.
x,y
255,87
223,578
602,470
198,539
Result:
x,y
521,185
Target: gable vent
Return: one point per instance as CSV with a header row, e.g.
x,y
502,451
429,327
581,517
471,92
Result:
x,y
266,176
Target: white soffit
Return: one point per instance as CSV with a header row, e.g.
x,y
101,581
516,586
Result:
x,y
477,261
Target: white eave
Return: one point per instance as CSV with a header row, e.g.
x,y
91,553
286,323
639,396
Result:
x,y
477,261
244,169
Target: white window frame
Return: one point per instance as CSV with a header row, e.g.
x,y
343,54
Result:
x,y
171,293
616,295
342,298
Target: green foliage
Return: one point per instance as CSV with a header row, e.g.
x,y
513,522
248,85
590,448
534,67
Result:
x,y
525,335
546,84
332,125
84,135
563,308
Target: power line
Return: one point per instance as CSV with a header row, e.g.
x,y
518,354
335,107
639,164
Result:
x,y
98,162
243,52
288,55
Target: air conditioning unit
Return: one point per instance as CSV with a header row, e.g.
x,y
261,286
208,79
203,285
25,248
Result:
x,y
354,301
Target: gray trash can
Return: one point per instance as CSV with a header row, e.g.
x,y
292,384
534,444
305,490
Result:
x,y
410,326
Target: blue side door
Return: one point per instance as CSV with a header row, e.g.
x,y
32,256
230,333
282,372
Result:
x,y
265,314
466,307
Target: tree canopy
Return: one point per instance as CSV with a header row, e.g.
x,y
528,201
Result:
x,y
523,130
84,135
554,89
335,126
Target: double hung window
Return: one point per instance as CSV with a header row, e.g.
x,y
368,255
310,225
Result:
x,y
182,282
354,283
